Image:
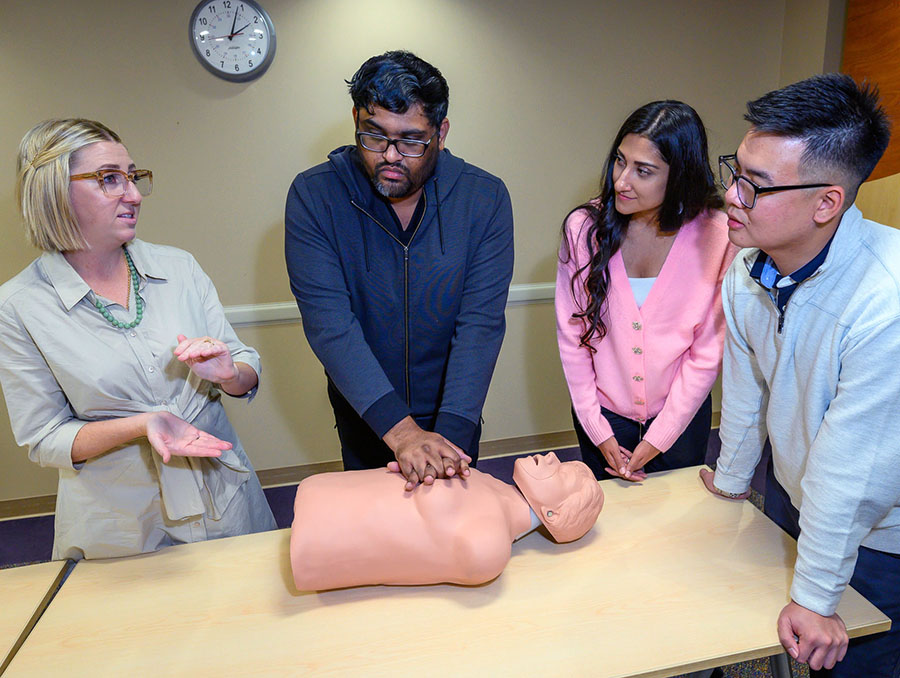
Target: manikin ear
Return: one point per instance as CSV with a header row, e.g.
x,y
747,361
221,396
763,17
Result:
x,y
443,130
829,204
550,515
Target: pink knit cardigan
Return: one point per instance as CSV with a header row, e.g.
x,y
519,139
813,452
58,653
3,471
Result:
x,y
659,360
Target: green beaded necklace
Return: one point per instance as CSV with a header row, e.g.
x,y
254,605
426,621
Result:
x,y
138,302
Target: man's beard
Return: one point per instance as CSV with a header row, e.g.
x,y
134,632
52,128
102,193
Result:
x,y
413,180
393,189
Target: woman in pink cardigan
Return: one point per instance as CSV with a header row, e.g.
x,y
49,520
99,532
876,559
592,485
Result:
x,y
638,305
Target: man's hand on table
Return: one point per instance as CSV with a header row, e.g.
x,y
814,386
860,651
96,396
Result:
x,y
423,456
708,476
811,638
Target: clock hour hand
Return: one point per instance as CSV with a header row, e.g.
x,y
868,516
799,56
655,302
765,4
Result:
x,y
239,30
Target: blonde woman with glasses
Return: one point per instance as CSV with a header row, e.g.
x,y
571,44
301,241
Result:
x,y
113,356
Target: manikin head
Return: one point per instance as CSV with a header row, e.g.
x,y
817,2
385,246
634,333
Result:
x,y
564,495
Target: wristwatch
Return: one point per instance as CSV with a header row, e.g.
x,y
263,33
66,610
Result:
x,y
729,495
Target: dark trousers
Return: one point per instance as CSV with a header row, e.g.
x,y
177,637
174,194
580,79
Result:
x,y
876,576
361,448
688,450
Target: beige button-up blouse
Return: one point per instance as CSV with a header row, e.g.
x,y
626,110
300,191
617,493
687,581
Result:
x,y
63,365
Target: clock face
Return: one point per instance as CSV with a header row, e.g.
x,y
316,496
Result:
x,y
235,39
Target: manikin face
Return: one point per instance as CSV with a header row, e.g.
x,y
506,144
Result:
x,y
106,223
639,177
564,495
393,175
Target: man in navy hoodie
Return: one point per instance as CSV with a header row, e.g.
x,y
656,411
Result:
x,y
400,256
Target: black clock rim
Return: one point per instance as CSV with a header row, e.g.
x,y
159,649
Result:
x,y
237,77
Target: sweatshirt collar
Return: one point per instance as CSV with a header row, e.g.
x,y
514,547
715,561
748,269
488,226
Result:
x,y
839,248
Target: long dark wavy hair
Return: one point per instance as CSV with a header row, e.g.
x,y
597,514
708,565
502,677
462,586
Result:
x,y
678,134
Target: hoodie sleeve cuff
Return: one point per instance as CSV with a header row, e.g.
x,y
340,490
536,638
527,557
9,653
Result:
x,y
385,412
456,429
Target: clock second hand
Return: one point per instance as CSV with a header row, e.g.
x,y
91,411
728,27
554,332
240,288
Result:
x,y
231,35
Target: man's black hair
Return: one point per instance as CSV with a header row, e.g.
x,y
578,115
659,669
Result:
x,y
841,124
397,80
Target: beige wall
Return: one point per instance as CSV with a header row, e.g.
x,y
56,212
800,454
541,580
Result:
x,y
813,38
536,95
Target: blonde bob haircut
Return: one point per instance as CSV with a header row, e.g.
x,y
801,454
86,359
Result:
x,y
42,180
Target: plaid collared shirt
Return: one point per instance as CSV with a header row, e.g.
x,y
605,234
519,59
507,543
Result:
x,y
781,287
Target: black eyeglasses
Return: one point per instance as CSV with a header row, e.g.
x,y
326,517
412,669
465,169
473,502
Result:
x,y
747,191
408,148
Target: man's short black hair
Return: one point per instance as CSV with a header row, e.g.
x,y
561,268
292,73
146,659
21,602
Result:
x,y
397,80
841,123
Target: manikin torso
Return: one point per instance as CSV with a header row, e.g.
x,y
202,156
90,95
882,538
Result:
x,y
456,531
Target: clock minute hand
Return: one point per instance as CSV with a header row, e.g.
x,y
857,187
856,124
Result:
x,y
233,22
239,30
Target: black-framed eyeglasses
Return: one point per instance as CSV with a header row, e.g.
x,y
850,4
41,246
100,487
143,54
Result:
x,y
115,182
747,191
408,148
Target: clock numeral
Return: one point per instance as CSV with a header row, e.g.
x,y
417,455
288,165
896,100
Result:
x,y
203,37
256,19
212,9
227,4
202,21
259,50
207,53
221,64
249,64
237,69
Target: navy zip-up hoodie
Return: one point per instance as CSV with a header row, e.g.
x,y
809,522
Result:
x,y
400,329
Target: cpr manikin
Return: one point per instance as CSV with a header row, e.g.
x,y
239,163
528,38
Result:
x,y
361,527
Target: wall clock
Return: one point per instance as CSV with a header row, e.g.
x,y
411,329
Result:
x,y
234,39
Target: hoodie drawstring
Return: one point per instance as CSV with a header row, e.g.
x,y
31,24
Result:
x,y
437,202
365,240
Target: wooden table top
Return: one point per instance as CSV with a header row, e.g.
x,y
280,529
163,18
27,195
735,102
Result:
x,y
24,593
671,579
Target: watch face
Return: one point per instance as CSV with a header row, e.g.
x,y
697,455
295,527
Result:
x,y
235,39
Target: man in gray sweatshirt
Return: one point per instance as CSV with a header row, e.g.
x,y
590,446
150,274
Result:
x,y
812,360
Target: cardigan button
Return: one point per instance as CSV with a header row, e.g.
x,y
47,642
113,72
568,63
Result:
x,y
636,325
638,377
637,350
638,401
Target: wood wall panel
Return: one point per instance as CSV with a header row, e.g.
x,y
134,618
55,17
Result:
x,y
872,51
